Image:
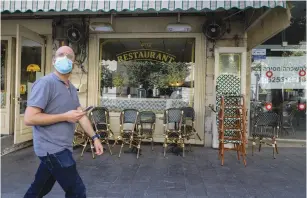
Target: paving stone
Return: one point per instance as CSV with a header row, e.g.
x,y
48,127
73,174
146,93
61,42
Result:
x,y
199,174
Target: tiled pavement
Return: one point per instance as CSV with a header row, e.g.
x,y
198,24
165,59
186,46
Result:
x,y
199,174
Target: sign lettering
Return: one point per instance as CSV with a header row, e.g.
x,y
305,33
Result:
x,y
145,54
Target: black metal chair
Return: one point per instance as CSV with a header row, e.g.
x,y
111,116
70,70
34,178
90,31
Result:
x,y
188,124
146,128
101,123
266,126
128,129
173,135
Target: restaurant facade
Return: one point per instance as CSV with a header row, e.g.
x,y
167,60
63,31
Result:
x,y
146,55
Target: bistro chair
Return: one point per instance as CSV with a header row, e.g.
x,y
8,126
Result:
x,y
173,119
188,124
101,123
146,128
82,139
128,129
266,126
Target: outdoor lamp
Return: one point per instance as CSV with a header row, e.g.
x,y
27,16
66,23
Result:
x,y
101,27
178,27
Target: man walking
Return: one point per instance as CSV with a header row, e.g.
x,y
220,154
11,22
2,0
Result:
x,y
53,109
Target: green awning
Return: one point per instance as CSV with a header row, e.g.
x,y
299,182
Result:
x,y
131,5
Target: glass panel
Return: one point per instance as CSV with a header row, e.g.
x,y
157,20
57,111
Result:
x,y
278,80
30,69
4,48
146,74
230,64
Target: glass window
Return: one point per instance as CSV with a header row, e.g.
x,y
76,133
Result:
x,y
146,74
278,79
4,48
30,69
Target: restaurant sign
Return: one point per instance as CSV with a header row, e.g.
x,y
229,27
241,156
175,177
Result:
x,y
145,54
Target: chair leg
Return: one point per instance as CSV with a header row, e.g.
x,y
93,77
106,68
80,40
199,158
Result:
x,y
139,147
260,142
121,148
108,144
165,147
84,146
183,147
92,149
220,150
152,144
243,153
222,154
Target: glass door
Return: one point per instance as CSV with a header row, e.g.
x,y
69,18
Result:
x,y
30,63
5,85
230,73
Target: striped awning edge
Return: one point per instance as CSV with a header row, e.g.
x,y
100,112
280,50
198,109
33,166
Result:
x,y
131,5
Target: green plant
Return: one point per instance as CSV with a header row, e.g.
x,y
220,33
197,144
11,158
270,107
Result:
x,y
106,77
118,81
176,72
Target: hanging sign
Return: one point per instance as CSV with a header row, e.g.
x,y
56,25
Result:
x,y
23,89
145,54
258,54
282,73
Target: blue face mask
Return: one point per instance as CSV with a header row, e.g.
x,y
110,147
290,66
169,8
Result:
x,y
63,65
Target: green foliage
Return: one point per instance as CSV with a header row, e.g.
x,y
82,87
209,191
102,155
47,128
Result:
x,y
158,74
106,77
118,80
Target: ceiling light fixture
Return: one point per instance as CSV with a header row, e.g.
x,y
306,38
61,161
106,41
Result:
x,y
178,27
102,26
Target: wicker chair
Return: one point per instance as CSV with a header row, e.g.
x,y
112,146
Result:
x,y
266,126
101,122
146,127
188,124
128,135
173,135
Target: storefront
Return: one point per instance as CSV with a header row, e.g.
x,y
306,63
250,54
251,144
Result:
x,y
278,78
139,58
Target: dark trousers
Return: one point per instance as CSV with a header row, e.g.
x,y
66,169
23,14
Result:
x,y
60,167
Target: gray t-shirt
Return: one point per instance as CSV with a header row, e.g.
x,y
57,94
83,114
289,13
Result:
x,y
51,95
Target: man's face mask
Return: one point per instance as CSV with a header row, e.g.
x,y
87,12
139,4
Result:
x,y
63,65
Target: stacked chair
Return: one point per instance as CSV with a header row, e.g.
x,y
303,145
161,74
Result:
x,y
101,123
173,134
266,126
232,126
188,125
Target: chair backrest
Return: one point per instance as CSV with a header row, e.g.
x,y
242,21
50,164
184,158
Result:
x,y
188,113
147,117
100,115
129,116
267,119
173,115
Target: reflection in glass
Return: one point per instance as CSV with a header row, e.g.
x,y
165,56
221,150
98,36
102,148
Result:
x,y
285,90
230,64
4,46
146,74
30,69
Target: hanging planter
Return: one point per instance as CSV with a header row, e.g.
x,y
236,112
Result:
x,y
32,68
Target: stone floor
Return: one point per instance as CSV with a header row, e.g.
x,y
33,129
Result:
x,y
199,174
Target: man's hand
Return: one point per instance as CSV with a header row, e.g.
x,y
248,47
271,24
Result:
x,y
74,116
98,147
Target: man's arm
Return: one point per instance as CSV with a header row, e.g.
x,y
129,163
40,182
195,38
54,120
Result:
x,y
34,116
86,125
